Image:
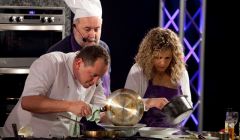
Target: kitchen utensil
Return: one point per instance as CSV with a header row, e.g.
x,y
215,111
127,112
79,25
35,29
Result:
x,y
59,115
177,109
196,135
147,131
14,127
124,107
113,127
106,131
109,133
101,134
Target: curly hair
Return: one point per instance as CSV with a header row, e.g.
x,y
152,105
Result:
x,y
156,40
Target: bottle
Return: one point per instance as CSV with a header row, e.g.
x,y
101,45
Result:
x,y
229,125
227,120
229,128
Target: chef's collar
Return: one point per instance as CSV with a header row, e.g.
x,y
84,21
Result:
x,y
70,61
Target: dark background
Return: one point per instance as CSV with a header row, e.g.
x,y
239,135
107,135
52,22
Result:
x,y
125,23
221,62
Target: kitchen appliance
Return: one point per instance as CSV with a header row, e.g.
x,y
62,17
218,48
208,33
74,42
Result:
x,y
26,33
11,89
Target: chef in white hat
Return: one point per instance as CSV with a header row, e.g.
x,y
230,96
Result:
x,y
87,25
87,20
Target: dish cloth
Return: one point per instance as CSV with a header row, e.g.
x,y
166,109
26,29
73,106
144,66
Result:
x,y
95,114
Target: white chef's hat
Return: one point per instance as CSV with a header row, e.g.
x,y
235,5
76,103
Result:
x,y
85,8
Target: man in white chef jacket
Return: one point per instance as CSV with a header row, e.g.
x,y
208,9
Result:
x,y
60,84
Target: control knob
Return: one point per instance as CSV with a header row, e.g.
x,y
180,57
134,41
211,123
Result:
x,y
12,19
19,19
51,19
44,19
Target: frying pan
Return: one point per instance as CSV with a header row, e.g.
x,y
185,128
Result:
x,y
124,107
97,131
109,133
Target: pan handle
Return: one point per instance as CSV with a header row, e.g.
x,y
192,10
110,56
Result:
x,y
59,115
15,130
103,109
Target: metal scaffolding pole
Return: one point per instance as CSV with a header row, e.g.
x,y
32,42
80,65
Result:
x,y
202,53
190,26
181,19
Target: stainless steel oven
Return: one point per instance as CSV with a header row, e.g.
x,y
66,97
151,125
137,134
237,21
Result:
x,y
26,33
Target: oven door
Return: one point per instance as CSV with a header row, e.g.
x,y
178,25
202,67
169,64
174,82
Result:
x,y
11,88
21,44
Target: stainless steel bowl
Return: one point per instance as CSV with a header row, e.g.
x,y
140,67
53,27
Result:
x,y
178,109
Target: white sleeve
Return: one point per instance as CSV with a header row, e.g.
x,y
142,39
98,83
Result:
x,y
136,80
133,79
41,77
185,86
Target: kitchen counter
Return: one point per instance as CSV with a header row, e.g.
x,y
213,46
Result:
x,y
85,138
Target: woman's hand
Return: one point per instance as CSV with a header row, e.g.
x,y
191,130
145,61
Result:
x,y
156,102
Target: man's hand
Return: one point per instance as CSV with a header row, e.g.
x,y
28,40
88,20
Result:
x,y
80,108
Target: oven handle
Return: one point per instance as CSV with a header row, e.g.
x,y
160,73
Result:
x,y
27,27
14,71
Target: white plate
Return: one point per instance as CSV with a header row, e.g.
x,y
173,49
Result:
x,y
147,131
181,137
111,126
173,137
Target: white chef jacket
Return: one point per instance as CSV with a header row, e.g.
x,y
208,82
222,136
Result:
x,y
137,81
52,75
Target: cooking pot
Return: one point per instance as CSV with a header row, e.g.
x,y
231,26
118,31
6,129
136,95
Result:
x,y
124,107
177,109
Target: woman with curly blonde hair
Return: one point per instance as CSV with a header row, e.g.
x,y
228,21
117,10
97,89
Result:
x,y
159,74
